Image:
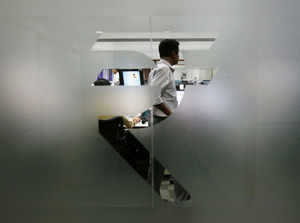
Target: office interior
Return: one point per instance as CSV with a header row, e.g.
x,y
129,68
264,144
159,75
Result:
x,y
116,129
233,144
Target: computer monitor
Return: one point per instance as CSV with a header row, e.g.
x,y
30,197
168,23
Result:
x,y
131,77
205,82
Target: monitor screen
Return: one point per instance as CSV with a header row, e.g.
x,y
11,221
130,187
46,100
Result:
x,y
131,78
205,82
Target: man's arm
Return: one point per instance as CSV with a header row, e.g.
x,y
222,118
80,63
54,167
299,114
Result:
x,y
161,79
164,108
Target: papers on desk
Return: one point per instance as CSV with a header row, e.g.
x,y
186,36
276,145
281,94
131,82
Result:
x,y
128,121
141,125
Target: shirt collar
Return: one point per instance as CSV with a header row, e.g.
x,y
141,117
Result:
x,y
166,63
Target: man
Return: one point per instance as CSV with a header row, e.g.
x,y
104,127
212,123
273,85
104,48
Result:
x,y
166,103
163,77
116,77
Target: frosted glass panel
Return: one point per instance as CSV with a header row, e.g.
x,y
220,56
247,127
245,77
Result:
x,y
234,144
52,154
91,172
105,100
204,144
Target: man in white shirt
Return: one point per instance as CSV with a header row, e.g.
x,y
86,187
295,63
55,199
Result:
x,y
166,103
116,77
163,77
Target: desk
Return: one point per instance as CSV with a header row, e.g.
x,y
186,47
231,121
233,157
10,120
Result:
x,y
138,157
126,121
115,130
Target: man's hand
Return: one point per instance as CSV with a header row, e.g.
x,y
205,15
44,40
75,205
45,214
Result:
x,y
136,120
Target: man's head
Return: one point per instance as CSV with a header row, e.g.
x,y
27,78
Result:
x,y
169,50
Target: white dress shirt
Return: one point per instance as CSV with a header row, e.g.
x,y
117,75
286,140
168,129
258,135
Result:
x,y
163,77
116,79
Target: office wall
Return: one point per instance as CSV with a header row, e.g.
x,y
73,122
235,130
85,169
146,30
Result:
x,y
198,73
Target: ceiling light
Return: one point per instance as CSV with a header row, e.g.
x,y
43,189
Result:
x,y
147,43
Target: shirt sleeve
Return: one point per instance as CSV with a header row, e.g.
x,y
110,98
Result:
x,y
161,79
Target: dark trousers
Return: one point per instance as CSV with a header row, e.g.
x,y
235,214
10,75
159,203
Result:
x,y
158,170
157,119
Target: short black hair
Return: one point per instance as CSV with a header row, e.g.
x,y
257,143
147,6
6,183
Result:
x,y
166,47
